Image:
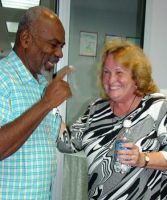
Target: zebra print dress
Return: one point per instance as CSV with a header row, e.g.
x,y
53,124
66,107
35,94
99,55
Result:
x,y
98,128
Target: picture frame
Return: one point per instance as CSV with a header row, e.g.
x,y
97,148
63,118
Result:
x,y
109,37
88,43
135,40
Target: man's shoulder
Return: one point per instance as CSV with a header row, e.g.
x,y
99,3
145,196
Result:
x,y
7,71
7,62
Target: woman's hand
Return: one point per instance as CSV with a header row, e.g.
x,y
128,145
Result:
x,y
131,155
62,128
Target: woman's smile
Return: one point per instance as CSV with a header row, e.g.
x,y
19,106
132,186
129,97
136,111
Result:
x,y
117,80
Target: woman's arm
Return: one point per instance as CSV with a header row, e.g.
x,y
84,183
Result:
x,y
70,140
64,140
154,159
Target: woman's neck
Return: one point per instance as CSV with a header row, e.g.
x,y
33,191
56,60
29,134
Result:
x,y
124,108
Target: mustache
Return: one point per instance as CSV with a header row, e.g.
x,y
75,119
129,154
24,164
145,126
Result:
x,y
54,60
57,60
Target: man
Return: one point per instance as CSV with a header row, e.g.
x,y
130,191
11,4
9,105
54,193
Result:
x,y
28,127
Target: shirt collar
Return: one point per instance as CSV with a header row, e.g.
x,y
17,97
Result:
x,y
23,73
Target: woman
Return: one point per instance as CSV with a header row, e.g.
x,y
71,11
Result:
x,y
127,93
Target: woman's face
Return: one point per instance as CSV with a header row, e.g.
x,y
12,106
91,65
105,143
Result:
x,y
117,80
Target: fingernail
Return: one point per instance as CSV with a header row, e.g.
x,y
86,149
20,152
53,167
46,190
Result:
x,y
71,67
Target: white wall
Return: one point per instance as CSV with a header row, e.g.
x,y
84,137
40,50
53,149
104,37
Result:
x,y
154,45
109,20
64,15
155,41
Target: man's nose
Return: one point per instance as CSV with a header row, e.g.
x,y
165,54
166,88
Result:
x,y
58,52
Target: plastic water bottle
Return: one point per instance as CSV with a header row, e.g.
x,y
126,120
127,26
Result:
x,y
123,134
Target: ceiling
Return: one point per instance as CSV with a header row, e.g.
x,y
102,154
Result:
x,y
112,5
13,15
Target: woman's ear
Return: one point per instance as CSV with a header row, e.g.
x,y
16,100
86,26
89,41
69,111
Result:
x,y
25,38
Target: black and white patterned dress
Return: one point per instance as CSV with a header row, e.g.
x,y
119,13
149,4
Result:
x,y
98,128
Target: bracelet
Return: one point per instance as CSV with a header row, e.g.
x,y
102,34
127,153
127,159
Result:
x,y
146,159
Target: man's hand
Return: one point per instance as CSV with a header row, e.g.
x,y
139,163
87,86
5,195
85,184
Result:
x,y
58,90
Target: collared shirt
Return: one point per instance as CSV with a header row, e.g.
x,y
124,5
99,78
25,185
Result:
x,y
28,173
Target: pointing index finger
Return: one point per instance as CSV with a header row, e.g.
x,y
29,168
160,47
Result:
x,y
63,72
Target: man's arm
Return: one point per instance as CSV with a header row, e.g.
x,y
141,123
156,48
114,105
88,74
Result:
x,y
14,134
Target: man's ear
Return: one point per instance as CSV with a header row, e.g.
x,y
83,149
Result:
x,y
25,38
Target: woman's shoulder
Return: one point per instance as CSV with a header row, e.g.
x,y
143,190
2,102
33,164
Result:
x,y
157,100
99,102
155,104
156,97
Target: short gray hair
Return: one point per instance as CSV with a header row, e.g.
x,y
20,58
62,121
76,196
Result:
x,y
29,17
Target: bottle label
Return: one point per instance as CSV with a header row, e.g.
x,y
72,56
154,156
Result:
x,y
118,167
118,144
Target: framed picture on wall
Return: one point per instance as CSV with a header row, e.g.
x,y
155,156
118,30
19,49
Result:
x,y
88,43
111,37
135,40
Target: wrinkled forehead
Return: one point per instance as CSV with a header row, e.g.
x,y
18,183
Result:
x,y
49,20
49,26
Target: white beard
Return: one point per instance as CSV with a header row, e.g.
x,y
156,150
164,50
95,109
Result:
x,y
48,74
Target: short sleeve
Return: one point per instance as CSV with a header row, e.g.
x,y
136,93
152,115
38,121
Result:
x,y
5,108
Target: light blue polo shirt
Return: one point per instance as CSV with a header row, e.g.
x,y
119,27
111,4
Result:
x,y
28,173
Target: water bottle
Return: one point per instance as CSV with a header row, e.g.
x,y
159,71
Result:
x,y
123,134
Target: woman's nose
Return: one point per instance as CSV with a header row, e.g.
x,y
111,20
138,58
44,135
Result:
x,y
112,78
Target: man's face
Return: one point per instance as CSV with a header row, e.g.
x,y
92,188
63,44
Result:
x,y
46,45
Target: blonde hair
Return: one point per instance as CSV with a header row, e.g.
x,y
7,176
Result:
x,y
132,57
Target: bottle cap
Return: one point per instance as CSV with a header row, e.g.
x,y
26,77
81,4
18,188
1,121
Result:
x,y
127,123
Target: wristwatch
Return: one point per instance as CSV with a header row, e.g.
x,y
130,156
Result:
x,y
147,159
